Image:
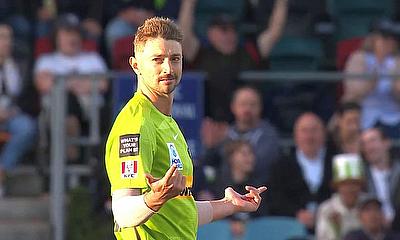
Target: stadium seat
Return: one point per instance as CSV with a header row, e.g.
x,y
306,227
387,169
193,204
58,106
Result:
x,y
296,54
382,7
275,228
122,50
354,25
219,230
354,17
344,48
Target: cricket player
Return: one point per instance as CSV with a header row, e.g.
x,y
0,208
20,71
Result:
x,y
147,158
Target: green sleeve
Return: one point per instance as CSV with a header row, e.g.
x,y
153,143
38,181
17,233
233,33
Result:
x,y
130,157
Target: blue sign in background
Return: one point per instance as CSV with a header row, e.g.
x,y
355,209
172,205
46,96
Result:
x,y
188,107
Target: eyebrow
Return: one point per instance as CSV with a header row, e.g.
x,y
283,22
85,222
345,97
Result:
x,y
163,55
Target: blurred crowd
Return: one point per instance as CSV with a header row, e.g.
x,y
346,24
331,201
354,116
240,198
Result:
x,y
339,175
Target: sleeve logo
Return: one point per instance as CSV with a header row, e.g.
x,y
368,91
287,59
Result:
x,y
129,169
174,156
129,145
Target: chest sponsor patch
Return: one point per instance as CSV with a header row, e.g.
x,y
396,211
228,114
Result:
x,y
129,169
174,156
129,145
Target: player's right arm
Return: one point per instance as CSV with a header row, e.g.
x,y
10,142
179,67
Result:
x,y
131,208
129,156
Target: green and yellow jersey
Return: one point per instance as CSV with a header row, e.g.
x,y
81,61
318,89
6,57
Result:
x,y
143,140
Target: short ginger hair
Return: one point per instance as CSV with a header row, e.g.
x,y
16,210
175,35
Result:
x,y
156,27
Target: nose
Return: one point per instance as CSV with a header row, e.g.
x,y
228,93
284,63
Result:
x,y
167,69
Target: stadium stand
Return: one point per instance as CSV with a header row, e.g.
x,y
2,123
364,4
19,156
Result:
x,y
296,54
276,228
219,230
354,17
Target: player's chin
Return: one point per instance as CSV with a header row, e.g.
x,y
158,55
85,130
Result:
x,y
169,89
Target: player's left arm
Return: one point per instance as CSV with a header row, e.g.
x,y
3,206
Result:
x,y
233,202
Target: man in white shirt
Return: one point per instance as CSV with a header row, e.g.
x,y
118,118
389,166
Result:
x,y
306,173
67,59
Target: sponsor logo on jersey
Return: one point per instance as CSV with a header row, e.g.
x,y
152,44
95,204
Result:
x,y
174,156
129,145
129,169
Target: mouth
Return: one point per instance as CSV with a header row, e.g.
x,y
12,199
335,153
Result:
x,y
167,80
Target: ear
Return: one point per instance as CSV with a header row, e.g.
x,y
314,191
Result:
x,y
134,65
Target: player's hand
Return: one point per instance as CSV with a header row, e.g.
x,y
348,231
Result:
x,y
170,186
245,203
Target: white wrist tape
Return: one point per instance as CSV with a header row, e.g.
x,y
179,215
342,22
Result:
x,y
130,211
204,212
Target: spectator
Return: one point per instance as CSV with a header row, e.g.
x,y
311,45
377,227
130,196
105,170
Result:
x,y
240,157
344,135
306,173
382,172
228,57
339,214
379,96
19,15
91,12
70,59
130,15
213,136
246,106
372,222
20,125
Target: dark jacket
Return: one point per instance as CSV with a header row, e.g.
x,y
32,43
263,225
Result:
x,y
288,191
394,186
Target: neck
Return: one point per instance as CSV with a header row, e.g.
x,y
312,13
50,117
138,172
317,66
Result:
x,y
311,154
348,204
245,126
348,142
238,176
162,102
